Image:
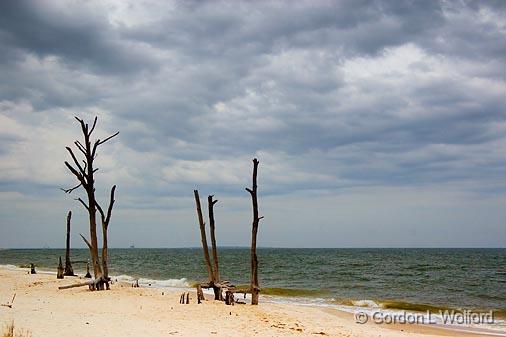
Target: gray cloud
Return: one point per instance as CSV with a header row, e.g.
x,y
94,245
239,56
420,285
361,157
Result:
x,y
332,97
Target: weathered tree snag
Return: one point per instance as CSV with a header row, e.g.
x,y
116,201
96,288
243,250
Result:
x,y
213,273
84,173
68,265
59,274
105,226
216,273
254,286
203,238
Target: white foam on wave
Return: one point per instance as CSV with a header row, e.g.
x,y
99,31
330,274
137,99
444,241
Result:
x,y
365,304
145,282
16,268
11,267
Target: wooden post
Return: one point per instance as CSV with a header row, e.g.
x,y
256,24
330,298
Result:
x,y
68,265
59,274
254,286
205,248
88,275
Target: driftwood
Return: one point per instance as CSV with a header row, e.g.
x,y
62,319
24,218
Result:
x,y
59,274
254,287
94,284
68,265
9,304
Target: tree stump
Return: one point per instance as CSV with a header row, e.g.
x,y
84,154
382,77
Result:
x,y
88,275
229,297
69,271
32,269
200,294
59,274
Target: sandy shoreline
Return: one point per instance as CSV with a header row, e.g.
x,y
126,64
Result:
x,y
125,311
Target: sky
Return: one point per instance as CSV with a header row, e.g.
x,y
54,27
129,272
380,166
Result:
x,y
376,123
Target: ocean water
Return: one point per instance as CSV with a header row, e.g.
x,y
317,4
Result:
x,y
390,279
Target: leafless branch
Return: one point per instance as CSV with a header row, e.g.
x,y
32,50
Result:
x,y
76,161
80,147
86,241
83,203
111,203
93,126
69,190
79,176
100,142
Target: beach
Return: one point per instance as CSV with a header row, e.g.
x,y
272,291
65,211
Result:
x,y
43,310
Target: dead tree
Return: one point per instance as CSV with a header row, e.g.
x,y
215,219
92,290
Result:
x,y
203,237
105,225
84,172
212,272
216,271
68,265
254,286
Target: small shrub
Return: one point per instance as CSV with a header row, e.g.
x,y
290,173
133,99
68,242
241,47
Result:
x,y
9,332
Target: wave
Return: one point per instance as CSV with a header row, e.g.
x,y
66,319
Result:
x,y
292,292
146,282
408,306
143,282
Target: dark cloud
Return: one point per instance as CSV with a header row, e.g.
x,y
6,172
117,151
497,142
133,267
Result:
x,y
331,96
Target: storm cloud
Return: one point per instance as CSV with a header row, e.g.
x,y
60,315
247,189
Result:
x,y
380,117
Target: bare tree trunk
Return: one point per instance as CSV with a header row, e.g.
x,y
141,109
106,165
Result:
x,y
105,225
68,265
105,257
205,248
217,290
255,288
